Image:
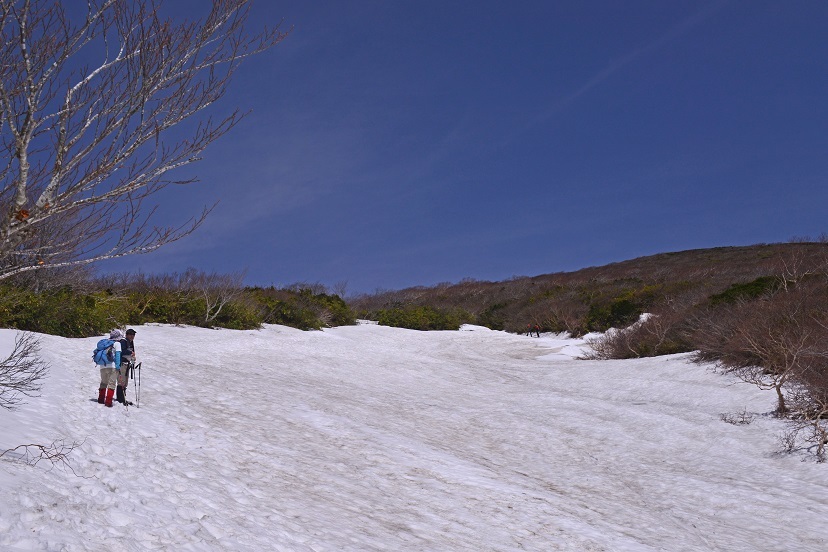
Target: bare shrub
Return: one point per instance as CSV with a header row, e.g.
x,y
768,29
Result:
x,y
762,342
565,312
737,418
79,278
651,335
22,372
788,441
808,402
215,290
611,344
796,264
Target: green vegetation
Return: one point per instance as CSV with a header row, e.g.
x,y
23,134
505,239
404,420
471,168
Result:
x,y
423,318
59,311
92,308
748,290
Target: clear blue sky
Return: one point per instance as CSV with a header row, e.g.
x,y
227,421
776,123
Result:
x,y
399,143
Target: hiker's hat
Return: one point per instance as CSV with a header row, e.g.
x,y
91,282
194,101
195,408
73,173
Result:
x,y
130,332
115,334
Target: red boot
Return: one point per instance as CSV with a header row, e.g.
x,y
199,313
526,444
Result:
x,y
101,395
109,394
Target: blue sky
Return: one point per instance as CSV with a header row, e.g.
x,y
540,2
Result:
x,y
404,143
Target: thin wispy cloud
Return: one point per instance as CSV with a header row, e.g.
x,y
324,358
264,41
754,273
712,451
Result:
x,y
670,36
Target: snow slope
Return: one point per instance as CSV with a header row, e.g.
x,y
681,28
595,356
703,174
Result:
x,y
376,438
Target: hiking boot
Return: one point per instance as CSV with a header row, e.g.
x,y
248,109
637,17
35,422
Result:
x,y
101,395
108,401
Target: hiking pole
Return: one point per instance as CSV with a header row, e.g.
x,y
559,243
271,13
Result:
x,y
125,369
138,382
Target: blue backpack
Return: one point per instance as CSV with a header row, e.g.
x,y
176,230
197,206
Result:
x,y
104,352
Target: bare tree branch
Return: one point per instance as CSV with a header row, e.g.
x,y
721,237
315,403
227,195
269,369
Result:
x,y
56,453
95,114
22,372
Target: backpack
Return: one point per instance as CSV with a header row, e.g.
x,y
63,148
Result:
x,y
104,352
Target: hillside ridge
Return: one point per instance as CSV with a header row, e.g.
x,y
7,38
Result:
x,y
592,298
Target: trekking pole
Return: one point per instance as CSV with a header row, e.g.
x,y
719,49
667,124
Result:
x,y
136,383
125,369
138,393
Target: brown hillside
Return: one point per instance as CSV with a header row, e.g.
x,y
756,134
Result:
x,y
596,298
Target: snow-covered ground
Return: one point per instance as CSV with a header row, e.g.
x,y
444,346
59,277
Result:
x,y
372,438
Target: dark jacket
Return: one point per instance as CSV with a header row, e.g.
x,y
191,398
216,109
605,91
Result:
x,y
127,351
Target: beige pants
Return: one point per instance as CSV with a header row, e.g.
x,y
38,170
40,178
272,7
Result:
x,y
122,373
108,379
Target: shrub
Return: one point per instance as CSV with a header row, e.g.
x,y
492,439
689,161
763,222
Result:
x,y
126,299
651,335
422,318
493,317
617,313
304,307
58,312
746,291
772,342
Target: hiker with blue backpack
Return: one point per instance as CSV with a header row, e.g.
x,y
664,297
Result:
x,y
107,356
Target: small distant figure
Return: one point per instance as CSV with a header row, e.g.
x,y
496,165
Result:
x,y
537,330
528,330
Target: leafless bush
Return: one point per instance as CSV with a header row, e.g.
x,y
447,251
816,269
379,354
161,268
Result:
x,y
564,312
738,418
79,278
316,288
788,441
780,342
795,265
808,402
763,342
612,344
216,290
651,335
340,288
325,316
22,372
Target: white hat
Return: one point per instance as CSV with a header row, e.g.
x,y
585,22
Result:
x,y
115,334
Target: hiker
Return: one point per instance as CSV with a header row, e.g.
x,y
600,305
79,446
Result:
x,y
107,356
127,360
537,330
529,330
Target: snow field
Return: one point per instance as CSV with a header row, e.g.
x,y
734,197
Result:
x,y
376,438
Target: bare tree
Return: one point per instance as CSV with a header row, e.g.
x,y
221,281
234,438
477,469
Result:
x,y
564,311
92,121
340,288
809,402
216,290
798,263
22,372
753,341
808,397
